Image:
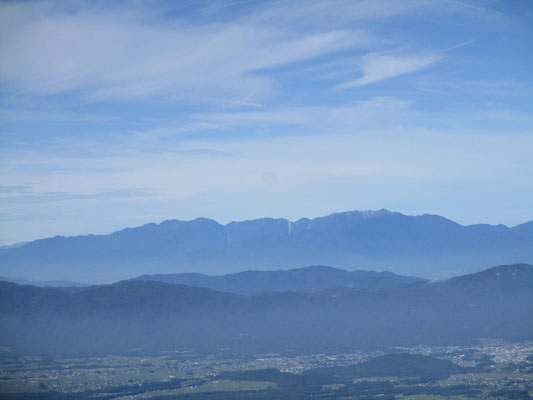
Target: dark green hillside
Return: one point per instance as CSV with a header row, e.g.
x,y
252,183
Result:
x,y
493,280
399,365
154,297
26,300
394,365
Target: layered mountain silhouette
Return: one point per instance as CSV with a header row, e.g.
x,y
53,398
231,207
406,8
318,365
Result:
x,y
307,279
148,316
425,245
52,283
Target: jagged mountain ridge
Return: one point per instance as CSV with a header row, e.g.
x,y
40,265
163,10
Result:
x,y
425,245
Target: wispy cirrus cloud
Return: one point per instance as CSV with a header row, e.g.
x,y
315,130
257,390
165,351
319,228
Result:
x,y
118,54
30,115
377,67
124,56
313,119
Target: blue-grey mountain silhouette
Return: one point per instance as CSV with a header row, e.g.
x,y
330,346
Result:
x,y
307,279
427,245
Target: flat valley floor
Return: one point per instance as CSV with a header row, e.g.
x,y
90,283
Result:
x,y
495,370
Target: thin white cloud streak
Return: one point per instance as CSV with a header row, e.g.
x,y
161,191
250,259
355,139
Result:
x,y
117,57
313,119
376,68
179,139
319,159
25,115
312,13
364,116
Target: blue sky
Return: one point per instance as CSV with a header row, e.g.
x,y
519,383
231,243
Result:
x,y
115,115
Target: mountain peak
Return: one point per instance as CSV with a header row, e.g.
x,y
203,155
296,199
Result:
x,y
376,213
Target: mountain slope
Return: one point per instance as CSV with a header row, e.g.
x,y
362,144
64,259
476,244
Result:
x,y
148,316
426,245
492,281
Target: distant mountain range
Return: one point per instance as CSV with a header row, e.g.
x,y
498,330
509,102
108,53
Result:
x,y
309,279
52,283
143,316
426,245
